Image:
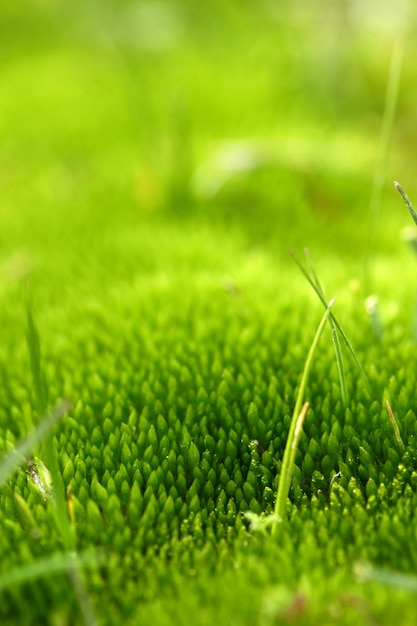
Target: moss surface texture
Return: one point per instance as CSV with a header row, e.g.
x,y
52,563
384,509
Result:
x,y
157,161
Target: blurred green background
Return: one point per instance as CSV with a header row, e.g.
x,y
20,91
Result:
x,y
157,140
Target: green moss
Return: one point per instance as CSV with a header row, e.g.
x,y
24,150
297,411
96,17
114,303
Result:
x,y
169,314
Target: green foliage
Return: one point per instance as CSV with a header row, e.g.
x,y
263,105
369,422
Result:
x,y
19,455
156,161
51,454
296,426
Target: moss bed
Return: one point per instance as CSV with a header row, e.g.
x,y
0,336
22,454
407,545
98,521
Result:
x,y
173,319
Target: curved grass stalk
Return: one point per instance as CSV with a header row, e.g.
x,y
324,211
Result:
x,y
59,507
297,434
333,332
51,457
296,426
390,105
321,296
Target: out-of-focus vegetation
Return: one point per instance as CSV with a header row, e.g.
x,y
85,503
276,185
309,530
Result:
x,y
258,110
157,161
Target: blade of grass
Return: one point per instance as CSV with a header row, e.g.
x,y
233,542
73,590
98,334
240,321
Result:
x,y
411,239
333,332
406,201
60,509
394,424
38,381
51,457
297,434
297,419
339,328
27,445
56,563
390,105
75,574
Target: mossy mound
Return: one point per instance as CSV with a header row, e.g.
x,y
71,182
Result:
x,y
179,428
156,163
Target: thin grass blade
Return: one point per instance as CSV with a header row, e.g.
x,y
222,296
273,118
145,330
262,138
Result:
x,y
390,105
297,434
51,457
287,466
339,328
395,428
29,443
32,338
407,201
55,564
334,335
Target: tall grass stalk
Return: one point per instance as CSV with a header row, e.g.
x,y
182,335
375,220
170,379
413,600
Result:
x,y
390,105
321,296
412,241
333,332
39,385
59,506
296,426
297,433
